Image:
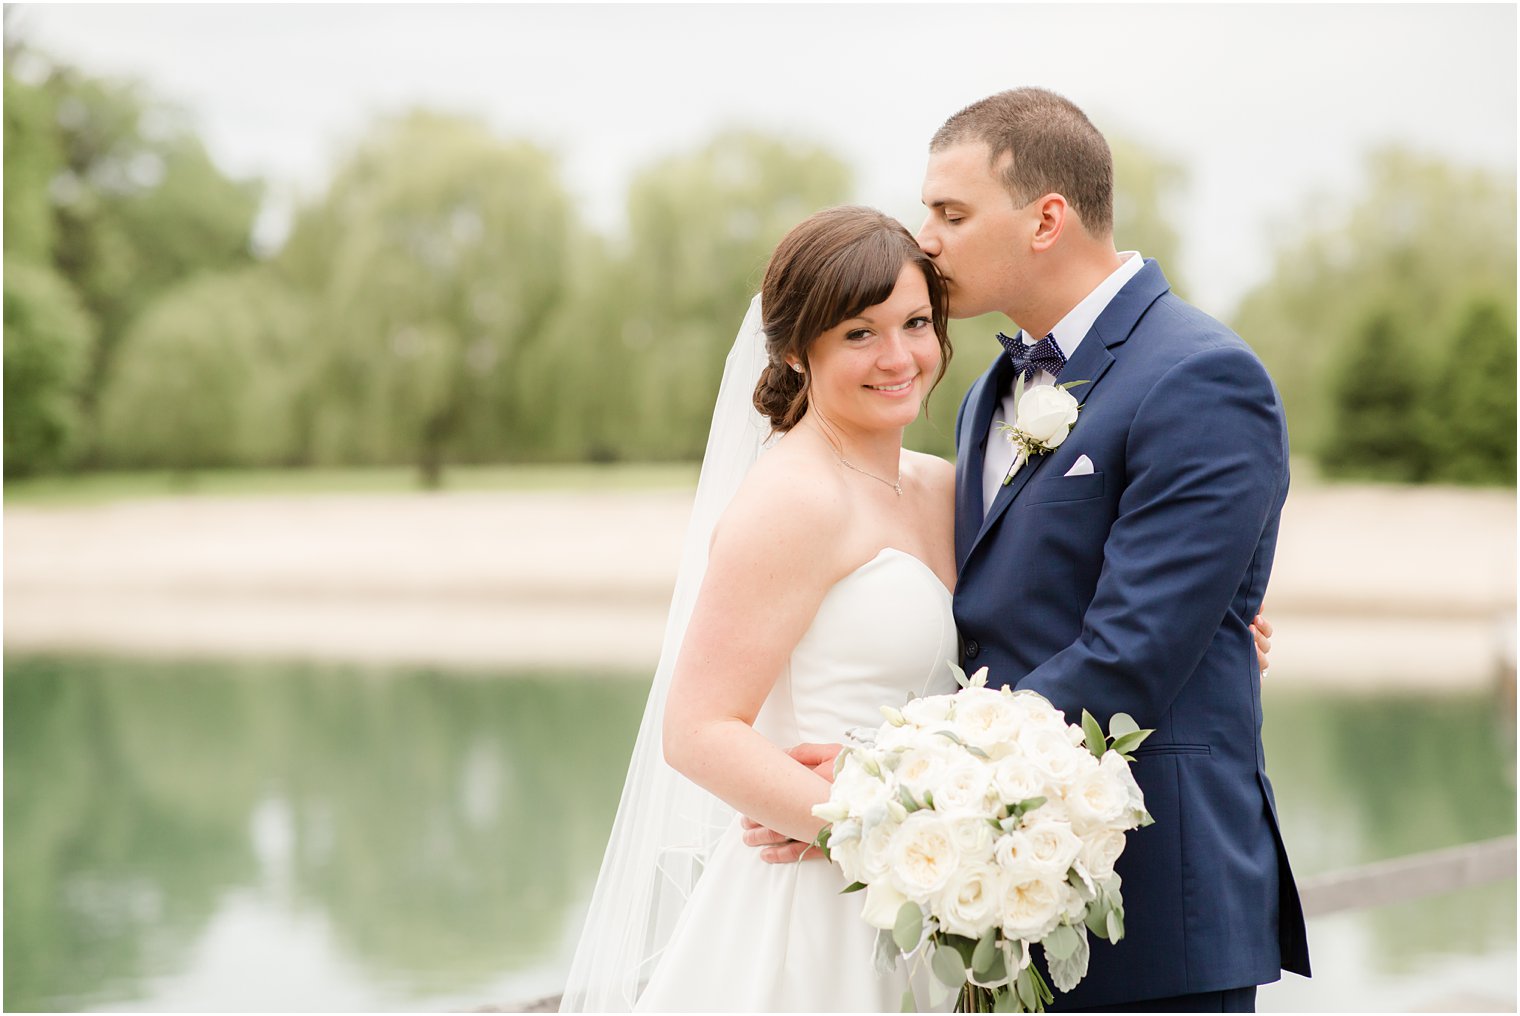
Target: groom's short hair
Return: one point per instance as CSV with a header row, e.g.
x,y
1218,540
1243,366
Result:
x,y
1054,148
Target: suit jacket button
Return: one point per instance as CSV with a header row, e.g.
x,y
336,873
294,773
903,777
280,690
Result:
x,y
972,649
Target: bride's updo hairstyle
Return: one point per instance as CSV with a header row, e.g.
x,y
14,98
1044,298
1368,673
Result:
x,y
829,268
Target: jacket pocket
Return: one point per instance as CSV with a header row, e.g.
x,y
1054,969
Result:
x,y
1172,749
1064,488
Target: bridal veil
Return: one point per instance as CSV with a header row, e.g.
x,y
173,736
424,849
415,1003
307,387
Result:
x,y
666,825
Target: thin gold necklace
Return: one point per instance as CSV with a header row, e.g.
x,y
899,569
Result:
x,y
896,484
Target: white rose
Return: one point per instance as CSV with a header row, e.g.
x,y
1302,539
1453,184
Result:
x,y
1100,850
876,852
858,789
1035,710
926,712
1046,414
1096,800
963,787
1051,751
923,855
985,717
922,767
846,854
881,906
1032,907
971,903
1114,764
1050,847
1016,779
973,834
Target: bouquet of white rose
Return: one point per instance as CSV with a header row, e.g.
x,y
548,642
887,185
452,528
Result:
x,y
979,824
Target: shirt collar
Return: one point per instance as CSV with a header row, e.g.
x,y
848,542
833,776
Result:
x,y
1071,329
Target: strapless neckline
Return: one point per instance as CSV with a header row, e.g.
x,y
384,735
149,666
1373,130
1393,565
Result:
x,y
911,557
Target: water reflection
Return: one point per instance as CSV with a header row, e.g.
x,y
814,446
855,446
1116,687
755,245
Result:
x,y
410,839
437,825
1362,778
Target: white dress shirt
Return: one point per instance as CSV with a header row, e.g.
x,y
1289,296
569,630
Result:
x,y
1068,332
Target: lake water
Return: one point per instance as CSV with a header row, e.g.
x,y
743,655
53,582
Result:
x,y
278,837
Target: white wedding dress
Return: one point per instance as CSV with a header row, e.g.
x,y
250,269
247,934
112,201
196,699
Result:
x,y
758,937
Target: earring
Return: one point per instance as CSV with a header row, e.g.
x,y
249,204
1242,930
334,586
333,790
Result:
x,y
797,367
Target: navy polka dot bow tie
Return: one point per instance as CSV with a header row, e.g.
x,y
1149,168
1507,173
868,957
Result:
x,y
1027,360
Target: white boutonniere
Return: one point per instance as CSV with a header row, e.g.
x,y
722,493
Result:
x,y
1042,417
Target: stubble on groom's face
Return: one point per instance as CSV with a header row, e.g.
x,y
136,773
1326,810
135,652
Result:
x,y
973,231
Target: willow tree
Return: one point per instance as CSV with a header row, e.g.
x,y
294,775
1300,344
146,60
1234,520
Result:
x,y
701,226
436,259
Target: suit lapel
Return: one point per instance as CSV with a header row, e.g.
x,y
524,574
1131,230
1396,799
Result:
x,y
981,403
1089,363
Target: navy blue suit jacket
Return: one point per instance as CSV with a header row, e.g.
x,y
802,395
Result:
x,y
1131,589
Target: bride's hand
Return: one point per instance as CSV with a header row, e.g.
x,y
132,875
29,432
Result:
x,y
774,847
1262,631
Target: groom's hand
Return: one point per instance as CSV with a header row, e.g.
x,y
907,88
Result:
x,y
1262,631
774,847
817,757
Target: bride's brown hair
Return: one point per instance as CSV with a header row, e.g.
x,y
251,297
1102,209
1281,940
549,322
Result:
x,y
829,268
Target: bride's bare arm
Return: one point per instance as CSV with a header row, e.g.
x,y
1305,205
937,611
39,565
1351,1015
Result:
x,y
774,556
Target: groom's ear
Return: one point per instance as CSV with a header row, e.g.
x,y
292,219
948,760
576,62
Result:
x,y
1053,211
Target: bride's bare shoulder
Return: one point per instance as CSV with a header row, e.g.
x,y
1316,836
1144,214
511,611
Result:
x,y
792,503
934,473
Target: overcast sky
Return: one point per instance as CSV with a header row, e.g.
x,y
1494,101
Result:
x,y
1266,105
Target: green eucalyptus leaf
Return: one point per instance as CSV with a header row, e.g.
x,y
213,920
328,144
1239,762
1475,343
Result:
x,y
1121,724
946,964
1093,734
1006,1000
1115,925
909,927
1067,971
908,1004
986,949
960,676
1127,743
853,887
1061,943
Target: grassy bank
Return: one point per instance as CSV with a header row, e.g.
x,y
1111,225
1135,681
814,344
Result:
x,y
97,488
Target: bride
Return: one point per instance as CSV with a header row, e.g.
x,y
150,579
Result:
x,y
815,587
826,595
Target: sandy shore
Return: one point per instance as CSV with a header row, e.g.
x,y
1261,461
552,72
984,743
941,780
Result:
x,y
1372,586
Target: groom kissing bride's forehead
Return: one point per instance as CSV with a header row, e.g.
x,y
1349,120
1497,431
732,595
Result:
x,y
1104,539
1120,570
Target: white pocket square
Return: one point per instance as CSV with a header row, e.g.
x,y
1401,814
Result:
x,y
1081,467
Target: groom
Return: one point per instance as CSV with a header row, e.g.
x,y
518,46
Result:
x,y
1120,571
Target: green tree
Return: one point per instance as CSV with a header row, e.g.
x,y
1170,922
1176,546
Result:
x,y
1375,429
1148,191
1422,240
47,346
701,228
137,205
436,260
214,373
1469,415
32,158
